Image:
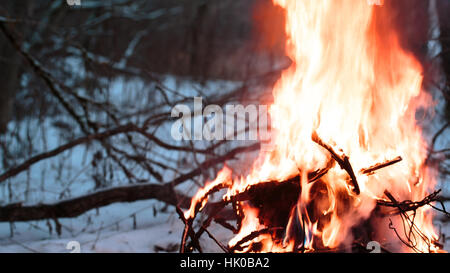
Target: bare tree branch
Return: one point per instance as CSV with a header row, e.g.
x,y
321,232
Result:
x,y
77,206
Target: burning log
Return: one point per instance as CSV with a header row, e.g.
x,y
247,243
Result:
x,y
342,160
266,197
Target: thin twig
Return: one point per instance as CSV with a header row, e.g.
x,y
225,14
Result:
x,y
224,248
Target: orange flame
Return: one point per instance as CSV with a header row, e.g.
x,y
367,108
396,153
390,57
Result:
x,y
201,197
354,86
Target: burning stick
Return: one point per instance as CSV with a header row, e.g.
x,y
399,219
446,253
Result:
x,y
222,181
316,175
343,161
378,166
255,234
187,230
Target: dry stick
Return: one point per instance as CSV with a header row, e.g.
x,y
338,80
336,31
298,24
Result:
x,y
224,248
443,210
343,161
370,170
195,237
187,230
391,197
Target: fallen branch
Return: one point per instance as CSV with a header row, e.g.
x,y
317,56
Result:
x,y
187,231
77,206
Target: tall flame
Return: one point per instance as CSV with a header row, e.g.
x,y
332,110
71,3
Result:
x,y
352,85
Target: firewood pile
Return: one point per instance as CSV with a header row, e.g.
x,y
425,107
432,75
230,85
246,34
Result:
x,y
276,200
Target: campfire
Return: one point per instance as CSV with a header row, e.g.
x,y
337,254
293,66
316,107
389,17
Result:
x,y
347,161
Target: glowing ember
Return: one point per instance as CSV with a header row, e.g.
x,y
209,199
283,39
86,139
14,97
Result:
x,y
347,102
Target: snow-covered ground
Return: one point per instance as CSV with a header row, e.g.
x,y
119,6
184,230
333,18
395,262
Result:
x,y
112,230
